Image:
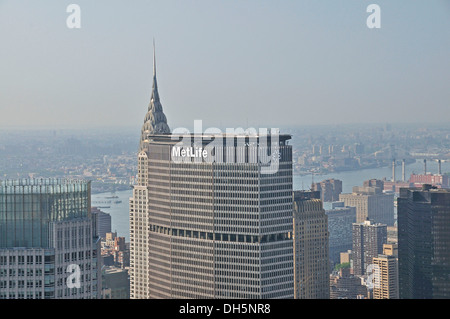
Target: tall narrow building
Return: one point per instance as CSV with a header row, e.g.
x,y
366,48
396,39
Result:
x,y
386,276
311,255
340,223
424,243
213,224
368,241
155,122
103,222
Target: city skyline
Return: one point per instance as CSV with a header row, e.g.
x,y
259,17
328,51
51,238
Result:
x,y
145,185
228,63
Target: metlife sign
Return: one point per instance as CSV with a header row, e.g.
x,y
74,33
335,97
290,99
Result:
x,y
189,152
234,146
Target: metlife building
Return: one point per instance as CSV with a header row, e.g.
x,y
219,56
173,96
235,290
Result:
x,y
211,217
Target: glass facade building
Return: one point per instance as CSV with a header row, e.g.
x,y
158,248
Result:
x,y
340,220
46,228
28,206
424,243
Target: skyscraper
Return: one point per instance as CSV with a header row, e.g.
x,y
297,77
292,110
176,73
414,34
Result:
x,y
311,262
202,228
103,222
155,122
340,221
49,247
386,276
368,241
329,189
424,243
371,203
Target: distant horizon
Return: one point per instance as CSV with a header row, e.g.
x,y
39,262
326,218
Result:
x,y
228,63
138,128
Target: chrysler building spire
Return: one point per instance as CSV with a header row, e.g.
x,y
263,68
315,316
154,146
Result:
x,y
155,121
154,60
155,94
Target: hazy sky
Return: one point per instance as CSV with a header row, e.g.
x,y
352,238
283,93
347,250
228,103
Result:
x,y
229,62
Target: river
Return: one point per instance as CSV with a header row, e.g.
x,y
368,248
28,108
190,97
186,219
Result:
x,y
119,211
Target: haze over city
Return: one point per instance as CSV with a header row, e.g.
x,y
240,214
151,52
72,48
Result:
x,y
103,196
229,63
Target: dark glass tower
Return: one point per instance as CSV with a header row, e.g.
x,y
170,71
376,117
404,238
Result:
x,y
424,243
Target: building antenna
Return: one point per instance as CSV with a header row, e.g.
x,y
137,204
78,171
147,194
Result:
x,y
154,58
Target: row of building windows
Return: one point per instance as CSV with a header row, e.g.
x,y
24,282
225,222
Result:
x,y
20,272
219,236
12,284
20,260
21,295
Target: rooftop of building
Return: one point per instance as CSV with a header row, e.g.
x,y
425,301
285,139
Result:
x,y
41,181
302,195
207,138
44,186
430,188
370,223
113,270
367,190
